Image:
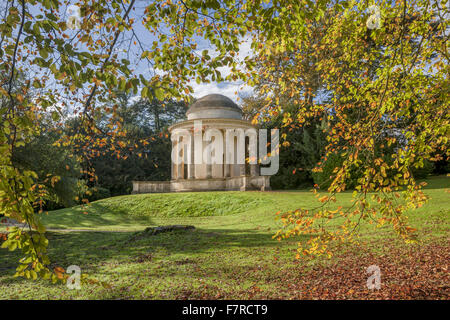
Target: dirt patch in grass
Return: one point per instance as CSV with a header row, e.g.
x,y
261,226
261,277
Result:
x,y
151,231
184,261
145,257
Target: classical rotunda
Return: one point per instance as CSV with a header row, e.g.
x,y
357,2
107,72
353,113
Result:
x,y
210,151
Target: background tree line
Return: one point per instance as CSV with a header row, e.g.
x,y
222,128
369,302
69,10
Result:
x,y
146,123
304,149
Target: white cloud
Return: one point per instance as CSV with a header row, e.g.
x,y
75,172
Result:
x,y
231,89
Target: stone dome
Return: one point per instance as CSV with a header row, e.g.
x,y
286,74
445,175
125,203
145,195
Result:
x,y
214,106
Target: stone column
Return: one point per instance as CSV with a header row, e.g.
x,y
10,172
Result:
x,y
174,166
226,166
181,152
208,166
177,173
191,166
172,169
254,170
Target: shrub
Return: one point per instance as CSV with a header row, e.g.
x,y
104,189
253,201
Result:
x,y
91,193
287,179
98,193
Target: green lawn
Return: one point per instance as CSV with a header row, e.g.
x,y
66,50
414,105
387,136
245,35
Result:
x,y
231,254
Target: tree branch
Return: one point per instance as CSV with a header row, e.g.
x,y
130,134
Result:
x,y
111,47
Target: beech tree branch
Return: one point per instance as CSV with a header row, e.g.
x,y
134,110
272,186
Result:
x,y
111,47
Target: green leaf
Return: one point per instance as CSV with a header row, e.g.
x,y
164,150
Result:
x,y
159,93
55,116
33,274
144,92
12,246
37,84
43,52
122,85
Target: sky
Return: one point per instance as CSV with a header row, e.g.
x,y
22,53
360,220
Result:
x,y
234,90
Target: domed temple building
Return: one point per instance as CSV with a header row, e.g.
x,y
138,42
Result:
x,y
210,151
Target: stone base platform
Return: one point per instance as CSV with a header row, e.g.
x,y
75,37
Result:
x,y
240,183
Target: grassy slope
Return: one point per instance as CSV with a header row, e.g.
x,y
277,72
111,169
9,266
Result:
x,y
230,253
135,212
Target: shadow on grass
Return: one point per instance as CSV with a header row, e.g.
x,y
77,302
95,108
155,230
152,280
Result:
x,y
436,182
91,250
97,215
